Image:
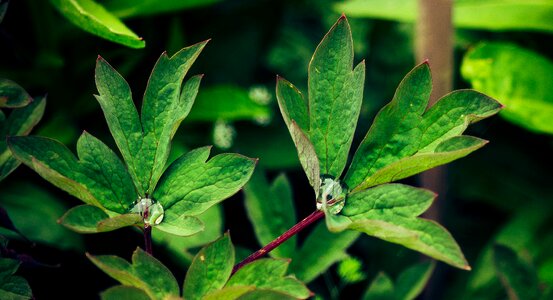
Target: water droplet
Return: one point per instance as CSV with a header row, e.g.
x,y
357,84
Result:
x,y
260,95
223,134
332,194
152,212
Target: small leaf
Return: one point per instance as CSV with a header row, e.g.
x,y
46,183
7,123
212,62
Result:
x,y
405,140
180,247
497,15
335,96
162,109
83,218
145,273
268,274
292,104
122,292
20,122
381,288
119,221
517,276
191,184
320,250
210,269
180,225
307,155
228,103
131,8
271,211
94,18
12,287
412,281
11,94
519,77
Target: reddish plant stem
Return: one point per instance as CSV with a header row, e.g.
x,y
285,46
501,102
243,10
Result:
x,y
316,215
148,238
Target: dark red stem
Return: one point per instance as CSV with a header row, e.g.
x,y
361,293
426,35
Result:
x,y
148,238
281,239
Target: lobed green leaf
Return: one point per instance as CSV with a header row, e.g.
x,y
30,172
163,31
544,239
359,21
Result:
x,y
83,218
271,211
210,269
405,140
192,183
163,109
94,18
269,274
99,178
145,273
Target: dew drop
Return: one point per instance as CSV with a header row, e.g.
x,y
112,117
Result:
x,y
332,194
152,212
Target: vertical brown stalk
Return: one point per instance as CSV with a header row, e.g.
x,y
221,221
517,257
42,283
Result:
x,y
434,41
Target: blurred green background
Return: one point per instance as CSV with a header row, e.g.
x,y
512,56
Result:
x,y
501,194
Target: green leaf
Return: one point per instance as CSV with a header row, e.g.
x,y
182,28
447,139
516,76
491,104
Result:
x,y
34,213
307,155
210,269
517,276
389,212
94,18
180,225
335,96
381,288
497,15
99,178
405,140
122,118
145,142
145,273
180,246
20,122
12,287
3,9
271,211
519,77
192,183
115,189
119,221
163,109
269,274
411,282
83,218
13,95
398,199
421,235
122,292
292,104
229,103
229,293
266,295
131,8
320,250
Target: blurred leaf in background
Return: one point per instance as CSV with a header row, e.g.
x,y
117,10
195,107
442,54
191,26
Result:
x,y
92,17
477,14
132,8
521,79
